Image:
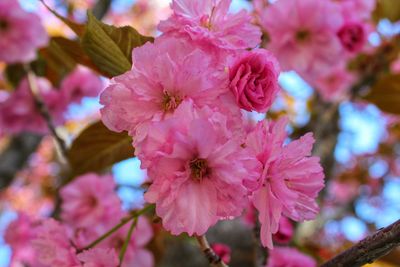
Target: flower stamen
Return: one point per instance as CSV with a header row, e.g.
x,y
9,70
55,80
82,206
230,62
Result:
x,y
170,102
302,35
199,169
3,25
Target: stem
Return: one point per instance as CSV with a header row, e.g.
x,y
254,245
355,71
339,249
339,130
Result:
x,y
261,252
33,86
213,259
126,243
369,249
117,227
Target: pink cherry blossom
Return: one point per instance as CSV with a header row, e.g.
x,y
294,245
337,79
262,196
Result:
x,y
150,137
290,180
289,257
254,80
395,66
52,245
285,231
303,34
90,199
99,257
21,33
18,236
343,192
356,25
18,112
335,85
209,22
80,83
167,72
198,173
357,9
136,254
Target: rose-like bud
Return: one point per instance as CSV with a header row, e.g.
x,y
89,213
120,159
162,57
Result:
x,y
352,36
254,80
285,232
223,251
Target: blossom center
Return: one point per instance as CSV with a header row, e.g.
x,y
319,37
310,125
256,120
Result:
x,y
205,22
302,35
170,102
92,201
199,169
3,25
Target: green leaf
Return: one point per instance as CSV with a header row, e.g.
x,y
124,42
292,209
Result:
x,y
97,148
385,94
75,51
58,62
110,48
54,62
389,9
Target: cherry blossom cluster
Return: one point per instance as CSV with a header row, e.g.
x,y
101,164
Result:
x,y
90,207
317,38
19,110
187,101
21,35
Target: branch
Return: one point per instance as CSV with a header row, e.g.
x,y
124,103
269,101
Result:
x,y
126,243
45,112
213,259
369,249
14,157
261,252
123,222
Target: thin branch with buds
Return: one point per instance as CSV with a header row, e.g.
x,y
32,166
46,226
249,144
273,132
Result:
x,y
369,249
124,221
126,243
213,259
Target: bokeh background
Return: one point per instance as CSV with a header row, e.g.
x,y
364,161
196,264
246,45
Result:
x,y
363,196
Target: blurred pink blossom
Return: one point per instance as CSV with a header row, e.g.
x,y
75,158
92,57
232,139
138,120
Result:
x,y
52,245
19,112
223,251
80,83
335,85
285,231
18,236
303,34
21,33
353,36
99,257
289,257
395,66
357,9
89,200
